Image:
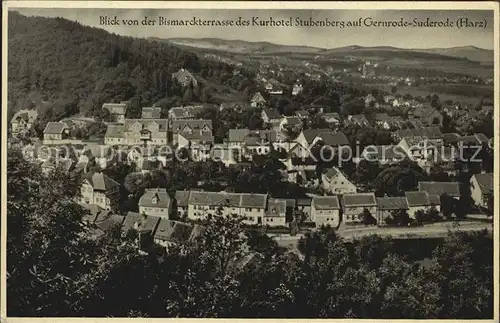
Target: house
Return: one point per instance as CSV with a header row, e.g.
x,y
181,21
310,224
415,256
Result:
x,y
417,201
432,133
144,225
235,106
336,182
114,135
157,202
138,132
332,118
388,122
270,115
251,142
291,124
102,155
426,115
250,207
196,130
184,78
421,148
384,154
387,205
451,139
55,131
358,119
325,210
275,214
116,110
306,140
22,121
303,206
257,100
185,112
151,113
169,233
355,204
181,203
439,188
100,190
482,188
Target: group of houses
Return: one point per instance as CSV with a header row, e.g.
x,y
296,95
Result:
x,y
347,206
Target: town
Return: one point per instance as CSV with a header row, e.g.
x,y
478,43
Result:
x,y
294,172
327,191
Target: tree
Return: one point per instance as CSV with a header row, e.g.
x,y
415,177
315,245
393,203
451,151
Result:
x,y
367,218
394,90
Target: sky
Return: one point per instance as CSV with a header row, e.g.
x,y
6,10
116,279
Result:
x,y
323,37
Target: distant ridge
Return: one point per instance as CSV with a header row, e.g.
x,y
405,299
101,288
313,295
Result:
x,y
472,53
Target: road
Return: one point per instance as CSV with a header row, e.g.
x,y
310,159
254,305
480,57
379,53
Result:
x,y
435,230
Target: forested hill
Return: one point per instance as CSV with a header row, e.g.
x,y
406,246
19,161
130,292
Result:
x,y
63,61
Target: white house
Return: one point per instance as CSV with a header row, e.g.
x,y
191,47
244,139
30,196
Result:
x,y
325,210
482,187
336,182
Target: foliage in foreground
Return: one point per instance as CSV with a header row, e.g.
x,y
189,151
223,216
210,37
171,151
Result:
x,y
55,268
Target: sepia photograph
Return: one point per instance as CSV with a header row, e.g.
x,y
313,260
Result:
x,y
261,161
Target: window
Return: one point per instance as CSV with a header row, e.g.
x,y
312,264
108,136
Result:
x,y
248,209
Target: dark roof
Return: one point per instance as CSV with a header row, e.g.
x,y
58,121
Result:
x,y
451,138
293,121
429,132
112,220
182,198
311,134
115,131
131,219
326,202
164,230
161,196
359,199
55,127
392,203
434,199
304,202
334,139
272,113
276,207
485,181
417,198
439,188
151,113
102,182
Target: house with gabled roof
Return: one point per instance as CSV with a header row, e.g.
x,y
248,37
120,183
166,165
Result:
x,y
157,202
270,115
358,119
101,190
114,135
169,233
55,131
482,188
185,112
332,118
193,130
116,110
417,201
138,132
275,214
428,116
432,133
355,204
151,113
185,78
250,207
235,106
335,181
439,188
388,122
325,210
257,100
302,114
22,121
181,204
387,205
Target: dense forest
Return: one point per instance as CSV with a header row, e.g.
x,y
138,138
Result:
x,y
56,268
58,60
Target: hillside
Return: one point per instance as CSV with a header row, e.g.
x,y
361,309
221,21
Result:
x,y
238,46
470,53
58,59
